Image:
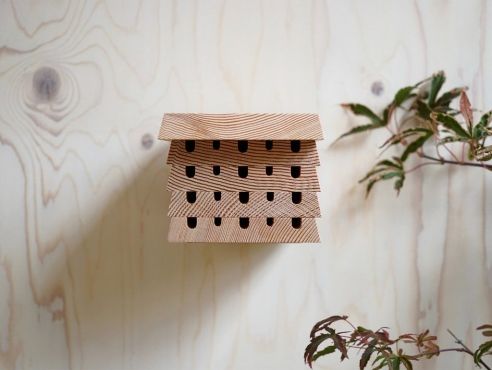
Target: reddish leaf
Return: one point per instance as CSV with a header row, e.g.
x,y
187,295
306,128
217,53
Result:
x,y
465,108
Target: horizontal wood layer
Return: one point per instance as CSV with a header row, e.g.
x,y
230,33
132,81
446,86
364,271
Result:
x,y
230,232
229,180
278,126
256,154
229,205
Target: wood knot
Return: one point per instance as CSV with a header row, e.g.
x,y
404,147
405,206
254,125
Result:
x,y
147,141
377,88
46,83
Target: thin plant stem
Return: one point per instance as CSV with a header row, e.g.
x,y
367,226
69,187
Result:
x,y
447,161
466,349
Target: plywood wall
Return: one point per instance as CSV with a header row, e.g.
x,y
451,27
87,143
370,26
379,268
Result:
x,y
87,280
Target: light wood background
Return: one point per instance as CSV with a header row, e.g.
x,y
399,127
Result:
x,y
87,280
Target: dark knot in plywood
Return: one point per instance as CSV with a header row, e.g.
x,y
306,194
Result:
x,y
46,83
147,141
377,88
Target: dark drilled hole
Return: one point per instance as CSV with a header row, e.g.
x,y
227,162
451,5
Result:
x,y
270,221
296,197
244,197
242,171
217,195
270,196
191,196
190,145
217,221
295,171
269,144
216,144
296,222
242,146
244,222
216,170
269,170
295,146
190,171
191,222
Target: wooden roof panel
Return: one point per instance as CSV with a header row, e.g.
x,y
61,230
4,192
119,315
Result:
x,y
262,126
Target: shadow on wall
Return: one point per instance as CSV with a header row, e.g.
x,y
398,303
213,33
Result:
x,y
131,297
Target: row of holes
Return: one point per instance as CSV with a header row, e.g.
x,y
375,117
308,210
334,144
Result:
x,y
243,222
242,145
244,196
242,171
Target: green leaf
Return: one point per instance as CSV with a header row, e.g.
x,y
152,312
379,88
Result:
x,y
480,130
324,352
398,138
451,124
415,145
402,95
449,96
435,86
399,184
362,128
423,109
362,110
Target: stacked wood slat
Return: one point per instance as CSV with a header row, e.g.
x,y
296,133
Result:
x,y
248,178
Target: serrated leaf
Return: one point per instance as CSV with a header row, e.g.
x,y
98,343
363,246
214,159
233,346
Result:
x,y
398,138
415,145
322,324
435,86
312,347
451,124
465,108
362,110
423,109
402,95
449,96
324,352
358,129
480,130
406,362
366,355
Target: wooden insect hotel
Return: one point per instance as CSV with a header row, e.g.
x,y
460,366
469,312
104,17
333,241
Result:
x,y
243,178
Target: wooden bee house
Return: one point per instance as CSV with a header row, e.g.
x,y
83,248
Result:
x,y
243,178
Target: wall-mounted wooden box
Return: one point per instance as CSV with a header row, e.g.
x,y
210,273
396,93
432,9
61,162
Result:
x,y
243,177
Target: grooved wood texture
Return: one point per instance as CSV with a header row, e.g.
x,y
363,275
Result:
x,y
230,232
228,180
257,154
230,206
278,126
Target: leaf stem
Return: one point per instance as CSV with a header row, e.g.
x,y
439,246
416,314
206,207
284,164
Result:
x,y
447,161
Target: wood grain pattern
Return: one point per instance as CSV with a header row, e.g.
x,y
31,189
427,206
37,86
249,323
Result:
x,y
230,206
88,280
230,231
279,126
228,154
228,180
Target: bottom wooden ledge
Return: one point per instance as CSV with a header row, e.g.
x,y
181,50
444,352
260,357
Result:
x,y
230,231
